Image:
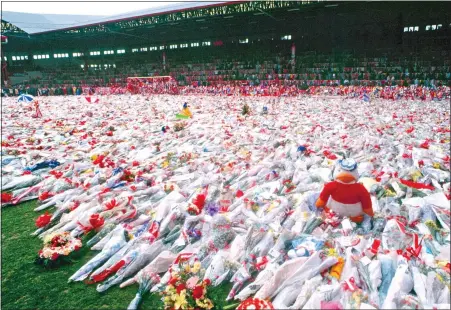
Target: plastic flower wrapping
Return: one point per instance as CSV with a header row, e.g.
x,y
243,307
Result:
x,y
234,199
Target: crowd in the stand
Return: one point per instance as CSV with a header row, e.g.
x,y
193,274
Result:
x,y
388,92
413,92
259,69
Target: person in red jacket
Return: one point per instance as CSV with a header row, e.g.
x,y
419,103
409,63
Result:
x,y
345,196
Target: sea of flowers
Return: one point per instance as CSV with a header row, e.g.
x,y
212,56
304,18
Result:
x,y
226,197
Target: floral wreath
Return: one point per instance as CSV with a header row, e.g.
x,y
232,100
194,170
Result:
x,y
57,248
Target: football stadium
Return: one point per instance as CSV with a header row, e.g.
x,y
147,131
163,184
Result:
x,y
227,155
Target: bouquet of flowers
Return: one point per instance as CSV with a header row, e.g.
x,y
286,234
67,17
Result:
x,y
179,126
185,290
145,280
255,303
287,187
57,248
245,110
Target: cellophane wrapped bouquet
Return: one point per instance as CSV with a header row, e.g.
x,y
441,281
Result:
x,y
186,289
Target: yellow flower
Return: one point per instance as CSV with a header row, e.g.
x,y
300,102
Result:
x,y
196,267
436,165
187,268
180,301
389,193
169,288
271,206
416,175
165,164
205,303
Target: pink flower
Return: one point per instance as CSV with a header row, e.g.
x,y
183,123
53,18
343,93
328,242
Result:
x,y
191,282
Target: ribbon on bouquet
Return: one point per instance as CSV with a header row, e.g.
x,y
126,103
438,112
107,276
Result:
x,y
183,257
133,213
155,229
261,262
372,251
107,272
349,285
25,193
413,251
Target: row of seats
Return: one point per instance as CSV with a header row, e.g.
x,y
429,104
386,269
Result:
x,y
413,69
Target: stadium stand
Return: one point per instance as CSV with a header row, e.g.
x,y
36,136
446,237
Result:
x,y
228,42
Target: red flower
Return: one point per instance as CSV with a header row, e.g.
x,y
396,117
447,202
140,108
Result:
x,y
26,172
135,163
76,248
109,133
7,197
239,193
173,281
207,282
45,196
180,288
56,174
54,256
110,205
199,201
198,292
75,205
57,242
425,145
96,221
43,220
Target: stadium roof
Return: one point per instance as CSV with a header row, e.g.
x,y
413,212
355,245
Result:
x,y
41,23
35,23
